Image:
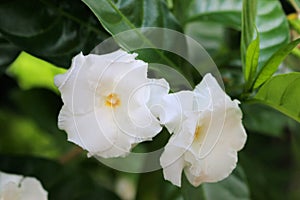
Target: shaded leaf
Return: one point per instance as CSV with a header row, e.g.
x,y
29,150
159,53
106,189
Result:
x,y
61,182
233,187
8,53
53,30
282,92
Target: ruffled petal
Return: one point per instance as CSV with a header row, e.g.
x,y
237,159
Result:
x,y
175,106
158,89
172,162
94,131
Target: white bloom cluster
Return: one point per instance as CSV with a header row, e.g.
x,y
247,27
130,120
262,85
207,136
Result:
x,y
110,106
17,187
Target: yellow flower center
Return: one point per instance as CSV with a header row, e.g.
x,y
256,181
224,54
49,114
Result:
x,y
198,135
112,100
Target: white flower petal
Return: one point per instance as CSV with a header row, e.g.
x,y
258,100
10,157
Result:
x,y
175,106
11,191
211,133
172,162
6,178
106,107
209,94
93,131
158,89
16,187
32,189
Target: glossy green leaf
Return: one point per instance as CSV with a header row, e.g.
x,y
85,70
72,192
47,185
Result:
x,y
124,15
248,30
273,63
252,56
282,92
32,72
226,12
50,29
232,188
273,29
270,20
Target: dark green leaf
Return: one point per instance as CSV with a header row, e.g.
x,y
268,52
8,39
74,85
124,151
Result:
x,y
8,53
273,63
61,182
53,30
282,92
232,188
256,119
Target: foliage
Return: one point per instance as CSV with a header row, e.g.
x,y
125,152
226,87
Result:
x,y
249,41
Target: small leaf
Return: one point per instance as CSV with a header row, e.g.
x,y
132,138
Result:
x,y
273,63
252,56
282,92
32,72
248,28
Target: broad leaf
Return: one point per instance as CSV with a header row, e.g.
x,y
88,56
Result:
x,y
125,15
50,29
226,12
32,72
273,63
273,28
232,188
270,20
282,92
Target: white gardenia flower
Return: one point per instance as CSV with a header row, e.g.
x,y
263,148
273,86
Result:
x,y
208,132
17,187
107,101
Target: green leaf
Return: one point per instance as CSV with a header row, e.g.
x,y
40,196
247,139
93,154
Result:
x,y
252,56
232,188
273,63
131,14
32,72
282,92
50,29
226,12
9,52
256,119
273,28
248,30
270,20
